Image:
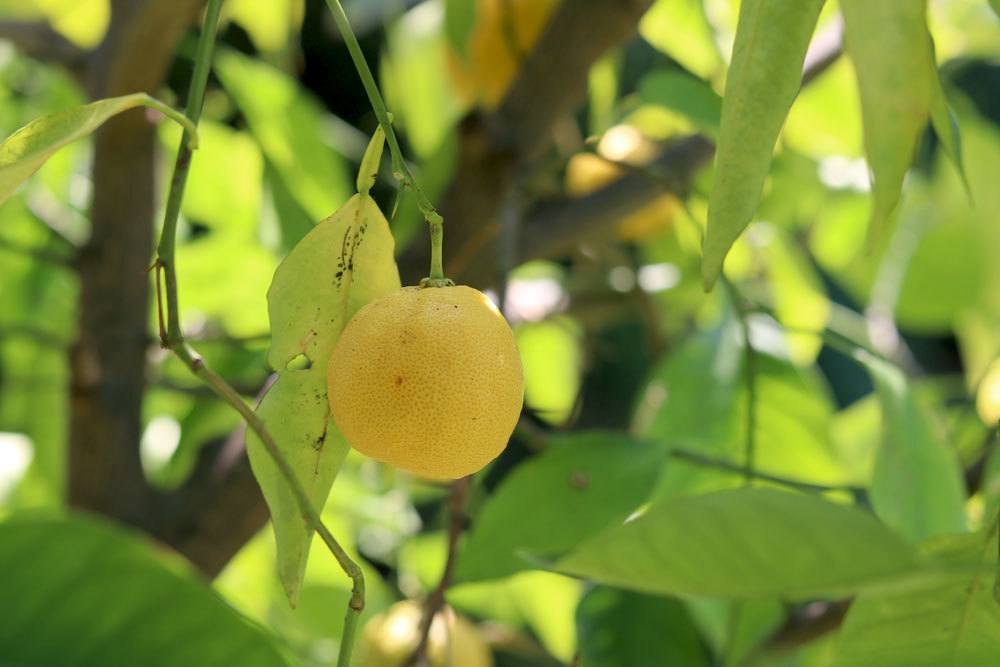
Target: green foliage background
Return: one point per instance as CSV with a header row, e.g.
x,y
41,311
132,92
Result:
x,y
878,478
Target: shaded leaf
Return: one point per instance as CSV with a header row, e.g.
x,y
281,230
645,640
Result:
x,y
622,629
750,542
459,19
892,55
79,592
291,127
953,622
917,486
684,94
764,77
578,486
25,151
342,264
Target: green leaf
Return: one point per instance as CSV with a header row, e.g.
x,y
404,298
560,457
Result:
x,y
291,127
697,401
342,264
25,151
750,542
893,59
917,486
622,629
946,127
764,77
685,94
80,592
995,4
459,20
681,29
951,622
578,486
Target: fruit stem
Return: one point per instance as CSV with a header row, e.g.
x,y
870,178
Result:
x,y
172,338
400,168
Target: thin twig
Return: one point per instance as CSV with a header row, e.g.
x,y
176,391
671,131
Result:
x,y
457,501
400,168
174,339
858,492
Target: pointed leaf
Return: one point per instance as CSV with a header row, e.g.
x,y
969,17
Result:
x,y
771,41
79,592
889,45
952,622
342,264
750,542
578,486
25,151
917,486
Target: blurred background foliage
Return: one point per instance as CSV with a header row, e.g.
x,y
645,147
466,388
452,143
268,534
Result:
x,y
615,335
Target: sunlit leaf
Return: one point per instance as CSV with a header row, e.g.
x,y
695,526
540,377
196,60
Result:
x,y
85,609
580,485
745,543
764,77
22,153
917,486
622,629
685,94
290,126
553,359
893,59
953,622
271,25
342,264
680,29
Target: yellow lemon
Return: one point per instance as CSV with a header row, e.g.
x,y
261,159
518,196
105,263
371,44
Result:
x,y
504,34
586,172
427,379
389,638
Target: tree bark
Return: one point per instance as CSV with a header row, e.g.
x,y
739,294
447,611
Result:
x,y
108,360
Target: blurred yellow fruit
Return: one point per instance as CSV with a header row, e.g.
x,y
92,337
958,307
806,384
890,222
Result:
x,y
427,379
587,172
390,638
504,34
988,398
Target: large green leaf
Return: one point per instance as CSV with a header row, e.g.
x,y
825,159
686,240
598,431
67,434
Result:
x,y
623,629
893,58
342,264
764,77
697,401
580,485
291,127
917,486
750,542
79,592
685,94
953,622
25,151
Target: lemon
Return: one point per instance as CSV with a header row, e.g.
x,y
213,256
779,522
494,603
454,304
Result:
x,y
428,380
389,638
586,172
503,36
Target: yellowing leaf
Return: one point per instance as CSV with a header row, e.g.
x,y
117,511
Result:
x,y
766,71
22,153
339,266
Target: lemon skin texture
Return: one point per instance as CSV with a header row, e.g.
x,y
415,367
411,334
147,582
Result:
x,y
389,638
428,380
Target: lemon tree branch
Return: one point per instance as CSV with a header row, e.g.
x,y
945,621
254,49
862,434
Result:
x,y
172,337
